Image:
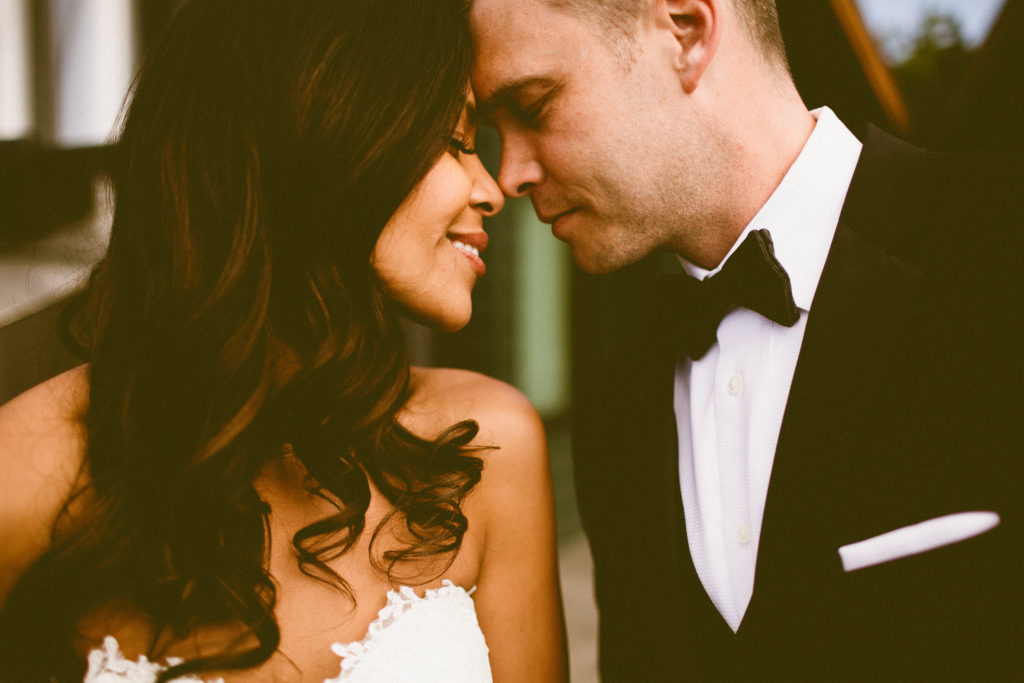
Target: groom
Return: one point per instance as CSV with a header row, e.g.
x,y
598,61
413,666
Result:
x,y
808,466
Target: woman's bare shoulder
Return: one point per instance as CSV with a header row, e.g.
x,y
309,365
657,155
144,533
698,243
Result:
x,y
42,427
515,453
442,396
513,511
42,444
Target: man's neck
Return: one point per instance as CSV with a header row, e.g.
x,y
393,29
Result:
x,y
768,140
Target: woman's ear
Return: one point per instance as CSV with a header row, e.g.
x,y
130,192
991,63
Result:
x,y
696,29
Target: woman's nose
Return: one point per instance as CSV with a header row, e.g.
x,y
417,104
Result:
x,y
485,196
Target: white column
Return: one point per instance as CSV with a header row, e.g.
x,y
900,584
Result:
x,y
94,61
16,120
542,312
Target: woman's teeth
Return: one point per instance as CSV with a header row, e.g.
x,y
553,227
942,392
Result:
x,y
466,248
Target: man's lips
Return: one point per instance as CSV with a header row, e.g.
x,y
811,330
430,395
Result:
x,y
558,220
550,218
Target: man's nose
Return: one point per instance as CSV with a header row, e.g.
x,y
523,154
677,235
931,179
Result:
x,y
520,171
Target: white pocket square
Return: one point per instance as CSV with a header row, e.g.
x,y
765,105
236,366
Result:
x,y
916,538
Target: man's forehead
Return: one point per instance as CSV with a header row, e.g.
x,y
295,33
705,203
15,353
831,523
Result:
x,y
518,43
511,23
492,14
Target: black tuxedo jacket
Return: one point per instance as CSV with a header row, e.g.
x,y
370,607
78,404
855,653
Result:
x,y
906,405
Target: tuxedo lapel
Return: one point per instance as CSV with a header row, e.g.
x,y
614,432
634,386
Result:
x,y
653,412
627,474
654,434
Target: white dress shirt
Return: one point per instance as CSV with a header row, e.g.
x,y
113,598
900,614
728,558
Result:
x,y
729,404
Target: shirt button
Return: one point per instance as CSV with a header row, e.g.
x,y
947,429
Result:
x,y
743,534
735,384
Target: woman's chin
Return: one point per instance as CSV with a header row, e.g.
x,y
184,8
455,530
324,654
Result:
x,y
442,321
452,323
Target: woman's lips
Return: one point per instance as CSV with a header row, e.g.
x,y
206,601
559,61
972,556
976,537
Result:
x,y
470,245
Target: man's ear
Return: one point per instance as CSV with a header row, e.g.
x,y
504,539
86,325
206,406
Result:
x,y
695,26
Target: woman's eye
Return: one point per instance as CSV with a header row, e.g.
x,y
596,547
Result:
x,y
460,145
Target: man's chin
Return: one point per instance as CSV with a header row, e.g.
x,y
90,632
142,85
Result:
x,y
597,263
595,269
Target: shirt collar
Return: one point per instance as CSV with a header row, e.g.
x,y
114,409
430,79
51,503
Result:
x,y
803,211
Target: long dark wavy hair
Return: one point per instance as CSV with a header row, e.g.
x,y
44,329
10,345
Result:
x,y
236,316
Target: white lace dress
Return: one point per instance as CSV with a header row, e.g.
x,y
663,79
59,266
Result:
x,y
413,639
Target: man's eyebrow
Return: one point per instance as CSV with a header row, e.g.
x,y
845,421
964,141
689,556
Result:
x,y
506,95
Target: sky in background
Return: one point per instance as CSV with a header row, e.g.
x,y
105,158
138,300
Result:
x,y
893,22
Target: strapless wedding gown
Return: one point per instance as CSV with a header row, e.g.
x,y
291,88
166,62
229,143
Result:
x,y
413,639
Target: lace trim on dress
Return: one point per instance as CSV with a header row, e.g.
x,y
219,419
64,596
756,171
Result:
x,y
109,665
399,602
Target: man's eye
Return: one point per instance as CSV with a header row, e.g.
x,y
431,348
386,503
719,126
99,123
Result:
x,y
461,146
531,116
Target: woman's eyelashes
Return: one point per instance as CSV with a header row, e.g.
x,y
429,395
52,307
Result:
x,y
460,145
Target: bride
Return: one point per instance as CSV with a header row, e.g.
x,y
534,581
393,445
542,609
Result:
x,y
247,481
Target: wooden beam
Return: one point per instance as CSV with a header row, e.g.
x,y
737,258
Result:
x,y
879,77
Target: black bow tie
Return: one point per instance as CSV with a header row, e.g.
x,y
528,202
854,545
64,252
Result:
x,y
751,278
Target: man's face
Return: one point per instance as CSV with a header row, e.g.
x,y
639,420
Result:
x,y
589,128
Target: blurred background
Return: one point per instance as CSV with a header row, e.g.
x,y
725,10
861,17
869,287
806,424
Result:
x,y
942,73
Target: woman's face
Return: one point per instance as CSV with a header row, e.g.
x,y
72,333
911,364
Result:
x,y
428,256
